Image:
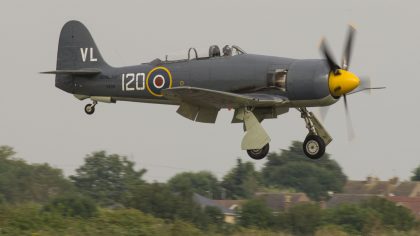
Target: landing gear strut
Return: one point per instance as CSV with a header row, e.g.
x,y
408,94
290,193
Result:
x,y
317,138
90,108
256,140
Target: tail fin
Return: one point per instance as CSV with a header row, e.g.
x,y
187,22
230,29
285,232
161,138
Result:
x,y
77,50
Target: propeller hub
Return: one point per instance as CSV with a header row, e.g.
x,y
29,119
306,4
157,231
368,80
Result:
x,y
342,82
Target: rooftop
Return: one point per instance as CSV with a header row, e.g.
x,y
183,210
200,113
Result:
x,y
344,198
392,187
204,202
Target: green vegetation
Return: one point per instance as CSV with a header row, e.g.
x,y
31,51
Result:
x,y
292,169
109,179
22,182
158,200
73,206
301,219
391,215
107,196
30,219
242,181
416,174
255,213
203,183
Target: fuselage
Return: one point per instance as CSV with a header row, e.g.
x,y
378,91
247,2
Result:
x,y
302,82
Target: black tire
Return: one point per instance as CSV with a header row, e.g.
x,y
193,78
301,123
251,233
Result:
x,y
314,147
258,154
89,109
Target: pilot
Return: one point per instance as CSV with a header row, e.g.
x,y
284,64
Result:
x,y
214,51
227,51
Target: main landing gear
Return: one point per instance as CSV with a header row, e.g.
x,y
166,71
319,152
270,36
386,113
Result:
x,y
90,108
314,146
256,140
258,154
317,138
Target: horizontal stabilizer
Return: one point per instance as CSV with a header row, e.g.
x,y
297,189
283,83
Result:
x,y
74,72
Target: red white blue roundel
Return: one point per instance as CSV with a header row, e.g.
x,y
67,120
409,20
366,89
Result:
x,y
157,79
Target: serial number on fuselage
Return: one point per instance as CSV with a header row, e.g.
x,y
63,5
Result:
x,y
133,81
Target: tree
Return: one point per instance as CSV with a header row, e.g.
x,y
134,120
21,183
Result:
x,y
157,199
214,215
108,179
72,206
353,218
293,169
30,219
203,183
20,181
255,213
6,152
302,219
416,174
242,181
397,217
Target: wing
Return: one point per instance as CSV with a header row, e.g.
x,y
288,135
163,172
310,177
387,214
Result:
x,y
218,99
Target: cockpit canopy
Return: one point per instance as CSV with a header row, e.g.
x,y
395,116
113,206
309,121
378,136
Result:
x,y
213,51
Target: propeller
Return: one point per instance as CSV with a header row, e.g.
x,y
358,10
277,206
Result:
x,y
365,86
345,61
342,81
328,56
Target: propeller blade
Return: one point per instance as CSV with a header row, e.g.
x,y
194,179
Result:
x,y
323,112
345,61
328,56
365,86
350,130
367,90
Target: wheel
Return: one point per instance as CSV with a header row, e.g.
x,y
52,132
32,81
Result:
x,y
258,154
89,109
314,146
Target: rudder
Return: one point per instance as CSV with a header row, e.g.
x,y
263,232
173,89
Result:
x,y
77,49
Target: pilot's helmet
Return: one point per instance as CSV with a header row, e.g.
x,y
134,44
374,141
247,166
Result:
x,y
227,50
214,51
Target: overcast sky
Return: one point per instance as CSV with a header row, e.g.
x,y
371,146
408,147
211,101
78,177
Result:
x,y
45,124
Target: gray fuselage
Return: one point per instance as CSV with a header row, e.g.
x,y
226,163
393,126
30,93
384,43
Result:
x,y
306,81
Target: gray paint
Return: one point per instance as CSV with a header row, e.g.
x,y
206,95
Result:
x,y
247,73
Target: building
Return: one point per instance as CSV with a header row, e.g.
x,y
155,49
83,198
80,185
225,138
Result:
x,y
278,202
234,205
411,203
346,198
228,213
392,187
406,193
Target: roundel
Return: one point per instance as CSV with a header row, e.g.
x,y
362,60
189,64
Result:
x,y
157,79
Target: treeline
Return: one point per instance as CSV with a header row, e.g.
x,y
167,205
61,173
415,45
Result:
x,y
375,216
108,196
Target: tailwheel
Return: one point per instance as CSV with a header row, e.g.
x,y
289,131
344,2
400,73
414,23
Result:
x,y
314,146
258,154
90,109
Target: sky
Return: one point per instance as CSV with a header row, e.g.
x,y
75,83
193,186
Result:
x,y
45,124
